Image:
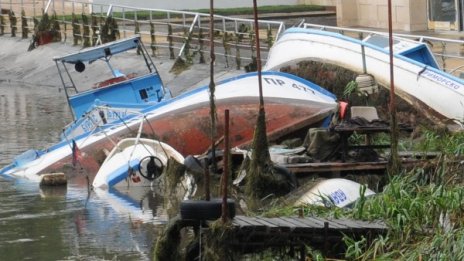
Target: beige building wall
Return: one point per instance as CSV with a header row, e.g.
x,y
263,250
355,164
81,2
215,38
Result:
x,y
407,15
319,2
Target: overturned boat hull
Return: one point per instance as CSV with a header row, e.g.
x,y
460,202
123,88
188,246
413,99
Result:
x,y
335,192
183,122
126,162
418,79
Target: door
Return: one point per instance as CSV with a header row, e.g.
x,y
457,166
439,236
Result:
x,y
443,14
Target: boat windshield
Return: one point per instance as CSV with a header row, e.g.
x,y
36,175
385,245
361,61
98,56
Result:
x,y
399,45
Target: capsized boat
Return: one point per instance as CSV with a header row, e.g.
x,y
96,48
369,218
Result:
x,y
418,78
136,161
183,122
338,192
117,84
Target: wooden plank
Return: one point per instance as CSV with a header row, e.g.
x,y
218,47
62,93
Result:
x,y
282,223
352,224
241,223
347,166
249,220
332,225
335,166
312,222
265,222
296,222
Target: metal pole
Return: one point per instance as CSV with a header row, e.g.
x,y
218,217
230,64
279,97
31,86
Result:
x,y
394,161
212,85
258,55
225,177
206,173
363,53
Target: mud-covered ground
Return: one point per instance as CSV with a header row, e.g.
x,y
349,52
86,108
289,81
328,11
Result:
x,y
37,67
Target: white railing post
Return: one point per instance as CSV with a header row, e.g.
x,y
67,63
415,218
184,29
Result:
x,y
189,32
110,10
47,6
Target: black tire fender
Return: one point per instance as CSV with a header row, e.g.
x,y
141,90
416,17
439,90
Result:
x,y
290,176
205,210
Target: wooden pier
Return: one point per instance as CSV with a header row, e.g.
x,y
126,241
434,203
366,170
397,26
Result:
x,y
255,234
252,233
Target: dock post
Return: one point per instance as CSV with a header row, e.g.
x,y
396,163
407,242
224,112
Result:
x,y
225,176
326,235
206,171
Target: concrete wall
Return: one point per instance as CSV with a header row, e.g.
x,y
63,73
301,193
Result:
x,y
319,2
407,15
194,4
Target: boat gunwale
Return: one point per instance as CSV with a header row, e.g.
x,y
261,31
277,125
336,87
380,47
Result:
x,y
371,46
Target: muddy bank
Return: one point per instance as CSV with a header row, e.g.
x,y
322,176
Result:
x,y
37,67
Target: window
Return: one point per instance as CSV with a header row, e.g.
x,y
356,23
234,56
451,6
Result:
x,y
442,14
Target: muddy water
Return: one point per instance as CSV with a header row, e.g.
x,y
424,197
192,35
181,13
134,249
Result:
x,y
70,223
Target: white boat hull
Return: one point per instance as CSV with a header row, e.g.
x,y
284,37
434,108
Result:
x,y
434,92
183,122
338,192
124,160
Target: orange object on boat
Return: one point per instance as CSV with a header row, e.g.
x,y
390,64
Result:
x,y
342,109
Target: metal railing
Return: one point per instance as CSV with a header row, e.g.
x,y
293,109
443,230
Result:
x,y
184,34
166,32
449,53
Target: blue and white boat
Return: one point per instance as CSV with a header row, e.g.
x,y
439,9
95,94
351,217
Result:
x,y
418,78
136,161
133,90
291,104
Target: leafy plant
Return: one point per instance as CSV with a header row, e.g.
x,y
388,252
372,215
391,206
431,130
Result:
x,y
24,27
170,41
2,25
86,30
153,39
350,88
76,28
226,38
13,21
200,45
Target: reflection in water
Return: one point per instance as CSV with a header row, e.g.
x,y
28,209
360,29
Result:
x,y
64,223
73,224
30,117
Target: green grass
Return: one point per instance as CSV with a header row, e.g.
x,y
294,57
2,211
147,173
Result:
x,y
413,204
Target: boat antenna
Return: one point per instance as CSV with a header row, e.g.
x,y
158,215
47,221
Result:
x,y
394,160
212,86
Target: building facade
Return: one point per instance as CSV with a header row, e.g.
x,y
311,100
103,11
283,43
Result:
x,y
407,15
193,4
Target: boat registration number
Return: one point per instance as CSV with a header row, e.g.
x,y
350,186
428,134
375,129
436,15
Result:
x,y
338,196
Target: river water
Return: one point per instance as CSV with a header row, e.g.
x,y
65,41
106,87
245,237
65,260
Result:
x,y
72,223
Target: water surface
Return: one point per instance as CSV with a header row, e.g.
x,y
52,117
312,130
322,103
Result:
x,y
72,223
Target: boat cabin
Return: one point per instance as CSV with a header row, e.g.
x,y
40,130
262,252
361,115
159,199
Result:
x,y
127,85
